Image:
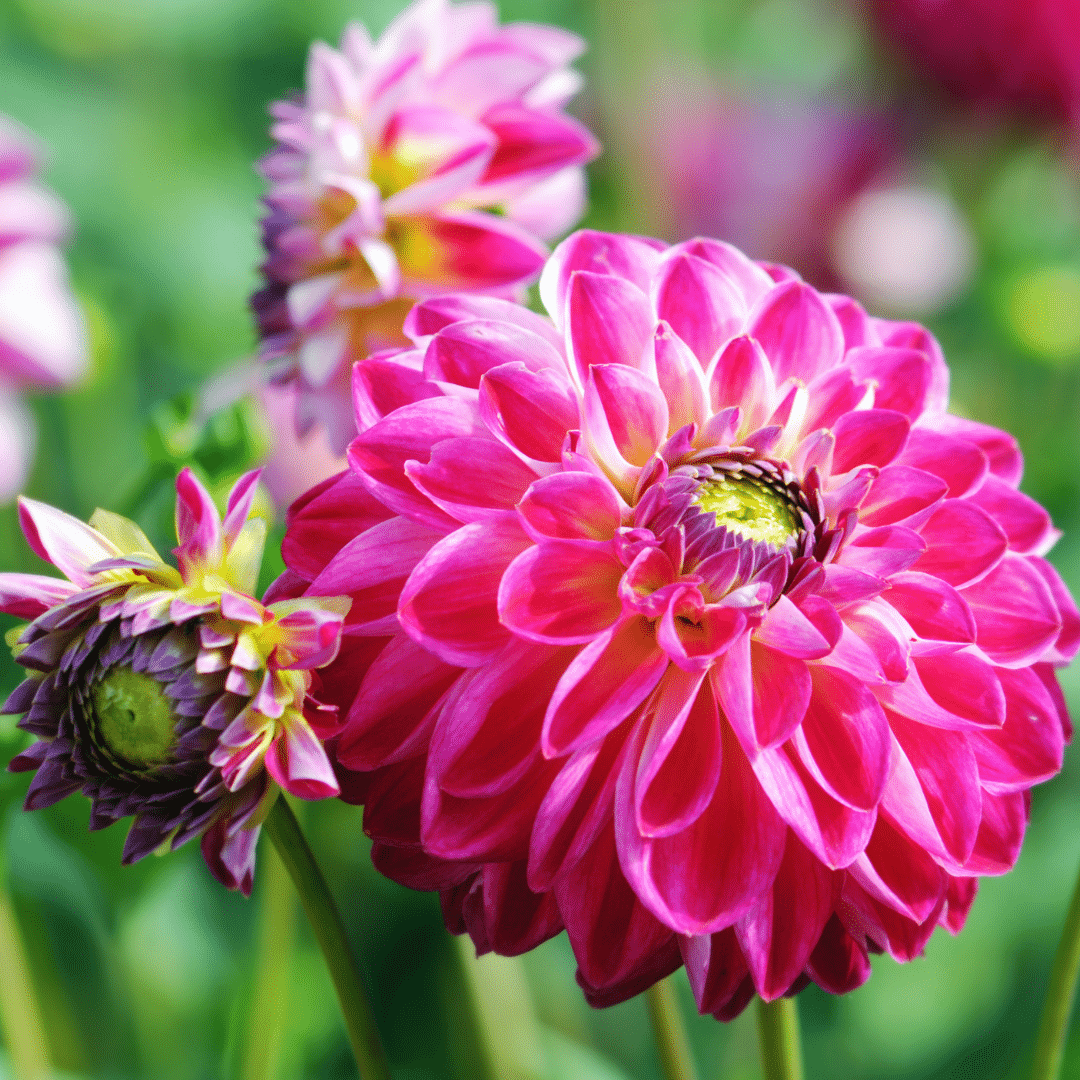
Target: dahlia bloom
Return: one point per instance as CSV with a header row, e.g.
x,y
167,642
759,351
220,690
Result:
x,y
688,619
384,178
169,694
42,337
1020,53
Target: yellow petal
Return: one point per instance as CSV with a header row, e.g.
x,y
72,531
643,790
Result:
x,y
125,534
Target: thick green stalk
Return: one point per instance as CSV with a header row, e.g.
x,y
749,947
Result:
x,y
672,1048
778,1036
277,932
284,831
1050,1047
20,1018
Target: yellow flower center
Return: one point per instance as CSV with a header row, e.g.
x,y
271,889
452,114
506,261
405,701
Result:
x,y
749,507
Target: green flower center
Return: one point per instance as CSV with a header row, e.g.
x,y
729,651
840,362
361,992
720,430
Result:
x,y
749,507
135,719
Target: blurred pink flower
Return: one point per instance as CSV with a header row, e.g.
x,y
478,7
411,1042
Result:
x,y
688,619
42,334
768,173
1021,53
385,176
170,695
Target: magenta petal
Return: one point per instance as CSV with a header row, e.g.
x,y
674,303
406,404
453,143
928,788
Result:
x,y
868,437
700,303
844,739
608,679
231,858
515,919
530,411
198,523
481,251
680,378
779,934
838,964
961,464
880,924
884,551
900,874
29,595
1026,523
787,630
298,762
1027,748
238,508
717,971
902,377
1068,642
962,543
897,493
626,414
1001,832
571,506
798,331
681,756
533,143
742,376
1016,618
885,634
471,479
999,446
631,257
372,568
428,318
448,604
933,794
561,591
463,352
835,833
69,544
389,718
609,321
711,873
933,608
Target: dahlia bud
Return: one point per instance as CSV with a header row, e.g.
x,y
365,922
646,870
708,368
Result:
x,y
170,695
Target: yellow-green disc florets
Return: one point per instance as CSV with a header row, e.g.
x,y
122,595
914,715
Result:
x,y
749,507
134,718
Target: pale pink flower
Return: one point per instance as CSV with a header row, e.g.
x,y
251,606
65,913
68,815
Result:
x,y
42,334
687,618
434,159
170,694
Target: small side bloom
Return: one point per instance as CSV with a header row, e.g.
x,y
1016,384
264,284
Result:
x,y
435,159
170,694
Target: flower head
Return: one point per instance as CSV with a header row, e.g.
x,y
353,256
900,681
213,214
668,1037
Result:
x,y
170,694
1004,52
42,336
383,176
693,622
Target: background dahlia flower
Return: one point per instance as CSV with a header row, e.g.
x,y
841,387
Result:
x,y
42,336
688,619
1020,53
170,695
385,176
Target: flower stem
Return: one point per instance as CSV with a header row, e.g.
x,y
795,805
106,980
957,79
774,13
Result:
x,y
1050,1046
284,831
672,1048
778,1036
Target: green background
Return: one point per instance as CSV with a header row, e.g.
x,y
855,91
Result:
x,y
153,112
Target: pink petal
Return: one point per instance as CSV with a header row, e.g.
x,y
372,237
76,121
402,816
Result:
x,y
680,378
868,437
530,411
311,638
744,377
608,321
29,595
700,303
448,605
963,543
533,143
999,446
1027,748
899,492
906,335
1026,523
571,506
900,874
902,378
428,318
488,72
607,680
198,523
958,900
838,963
625,414
884,551
883,926
717,972
933,608
69,544
298,762
471,479
961,464
1068,641
1016,618
462,352
844,739
751,279
238,509
681,756
1001,832
798,331
630,257
779,934
787,630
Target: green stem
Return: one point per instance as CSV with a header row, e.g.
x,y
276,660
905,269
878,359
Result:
x,y
20,1019
284,831
778,1036
672,1048
267,1009
1050,1047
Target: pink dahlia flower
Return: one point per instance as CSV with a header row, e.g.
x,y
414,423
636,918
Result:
x,y
385,178
170,694
42,336
688,619
1023,53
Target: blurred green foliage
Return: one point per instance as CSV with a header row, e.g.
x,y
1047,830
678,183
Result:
x,y
153,111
